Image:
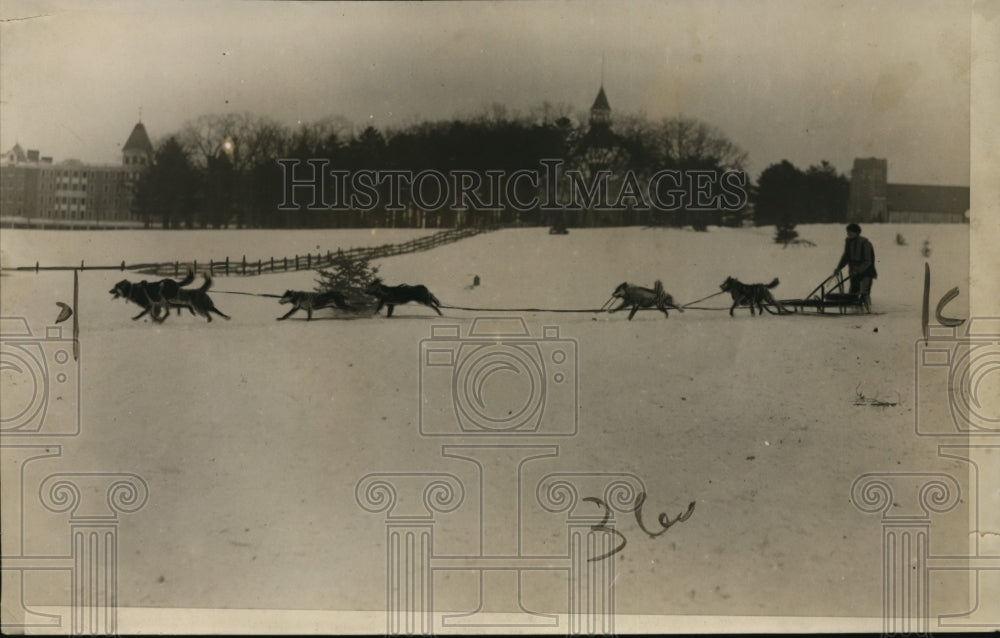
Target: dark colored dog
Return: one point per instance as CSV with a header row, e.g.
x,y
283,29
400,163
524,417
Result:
x,y
152,297
393,296
758,295
312,301
197,301
639,297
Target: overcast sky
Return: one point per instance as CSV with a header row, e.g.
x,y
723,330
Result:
x,y
803,81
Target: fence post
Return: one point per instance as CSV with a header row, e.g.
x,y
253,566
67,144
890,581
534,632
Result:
x,y
227,265
272,264
309,259
36,267
195,267
177,267
284,263
211,267
296,262
123,265
258,266
244,264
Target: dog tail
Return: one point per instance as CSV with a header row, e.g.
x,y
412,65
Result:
x,y
208,283
187,279
773,283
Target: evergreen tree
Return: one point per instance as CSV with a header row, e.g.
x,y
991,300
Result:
x,y
785,232
348,276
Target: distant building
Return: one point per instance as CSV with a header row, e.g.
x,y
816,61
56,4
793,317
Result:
x,y
35,190
873,199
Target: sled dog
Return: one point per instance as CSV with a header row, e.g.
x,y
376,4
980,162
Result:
x,y
393,296
758,295
152,296
197,301
639,297
310,301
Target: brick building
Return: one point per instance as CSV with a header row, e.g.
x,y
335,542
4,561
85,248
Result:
x,y
34,190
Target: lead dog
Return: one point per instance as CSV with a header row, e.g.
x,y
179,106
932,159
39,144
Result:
x,y
393,296
153,297
639,297
752,295
312,301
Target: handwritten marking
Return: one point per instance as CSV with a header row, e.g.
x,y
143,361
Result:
x,y
663,519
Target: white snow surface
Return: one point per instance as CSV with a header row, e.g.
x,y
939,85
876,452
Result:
x,y
252,434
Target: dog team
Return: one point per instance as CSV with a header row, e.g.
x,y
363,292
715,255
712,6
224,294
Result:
x,y
158,297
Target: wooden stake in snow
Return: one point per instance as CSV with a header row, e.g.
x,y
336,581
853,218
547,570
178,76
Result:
x,y
76,316
926,308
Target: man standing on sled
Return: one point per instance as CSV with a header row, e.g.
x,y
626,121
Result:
x,y
859,257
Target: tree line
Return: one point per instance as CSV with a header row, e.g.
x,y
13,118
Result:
x,y
222,171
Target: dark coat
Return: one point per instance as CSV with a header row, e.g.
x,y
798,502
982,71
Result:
x,y
859,256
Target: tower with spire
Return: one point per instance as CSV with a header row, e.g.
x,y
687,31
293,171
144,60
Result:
x,y
138,150
600,112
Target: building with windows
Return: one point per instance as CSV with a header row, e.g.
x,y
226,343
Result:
x,y
36,191
873,199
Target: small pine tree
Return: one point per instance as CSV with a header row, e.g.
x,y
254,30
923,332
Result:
x,y
348,276
785,232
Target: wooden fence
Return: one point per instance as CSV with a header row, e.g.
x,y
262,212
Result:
x,y
309,261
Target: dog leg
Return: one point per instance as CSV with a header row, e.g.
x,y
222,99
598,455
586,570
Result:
x,y
618,308
138,316
219,312
731,308
635,309
434,306
309,314
379,306
289,313
389,310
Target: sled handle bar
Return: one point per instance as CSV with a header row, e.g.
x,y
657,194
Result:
x,y
840,283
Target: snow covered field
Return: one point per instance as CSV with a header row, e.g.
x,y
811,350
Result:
x,y
252,434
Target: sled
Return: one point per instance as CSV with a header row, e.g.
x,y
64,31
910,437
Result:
x,y
829,294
